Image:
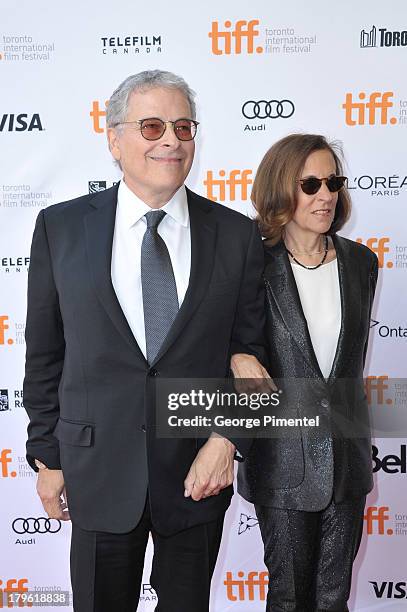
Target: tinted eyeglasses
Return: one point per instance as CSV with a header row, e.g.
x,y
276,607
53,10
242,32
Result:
x,y
312,184
153,128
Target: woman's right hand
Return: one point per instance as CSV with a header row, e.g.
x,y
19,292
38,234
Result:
x,y
250,375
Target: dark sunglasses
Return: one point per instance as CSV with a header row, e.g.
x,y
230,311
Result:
x,y
153,128
312,184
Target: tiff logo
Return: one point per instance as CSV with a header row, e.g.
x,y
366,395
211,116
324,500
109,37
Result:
x,y
98,116
5,459
6,600
3,328
375,387
377,514
376,109
368,39
230,41
378,246
242,589
216,188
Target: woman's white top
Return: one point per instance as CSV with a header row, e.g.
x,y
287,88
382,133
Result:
x,y
321,302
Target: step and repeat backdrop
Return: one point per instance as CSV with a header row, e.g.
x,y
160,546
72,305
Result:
x,y
261,70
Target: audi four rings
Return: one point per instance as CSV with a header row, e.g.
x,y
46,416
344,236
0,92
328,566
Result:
x,y
36,525
264,109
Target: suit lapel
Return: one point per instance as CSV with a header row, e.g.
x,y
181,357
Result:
x,y
99,228
349,284
203,243
280,279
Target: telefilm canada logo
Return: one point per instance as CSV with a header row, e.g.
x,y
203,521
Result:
x,y
16,264
124,44
382,37
262,111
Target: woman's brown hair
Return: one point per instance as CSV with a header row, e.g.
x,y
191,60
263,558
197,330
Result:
x,y
274,193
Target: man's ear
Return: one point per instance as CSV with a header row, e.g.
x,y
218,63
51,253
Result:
x,y
113,139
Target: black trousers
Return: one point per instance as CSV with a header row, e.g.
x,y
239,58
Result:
x,y
107,568
309,555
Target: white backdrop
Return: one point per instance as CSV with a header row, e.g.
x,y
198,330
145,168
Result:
x,y
337,70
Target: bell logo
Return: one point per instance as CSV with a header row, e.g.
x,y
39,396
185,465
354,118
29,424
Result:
x,y
377,515
5,459
216,187
376,108
228,41
375,386
254,587
378,246
97,115
13,586
3,328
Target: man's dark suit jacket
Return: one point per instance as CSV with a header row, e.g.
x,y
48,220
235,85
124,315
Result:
x,y
87,384
304,471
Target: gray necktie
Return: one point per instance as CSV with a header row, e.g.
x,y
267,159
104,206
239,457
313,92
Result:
x,y
160,299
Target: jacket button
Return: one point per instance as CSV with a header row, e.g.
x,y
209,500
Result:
x,y
143,428
324,403
153,372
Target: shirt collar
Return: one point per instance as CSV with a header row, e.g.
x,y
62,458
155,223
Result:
x,y
132,209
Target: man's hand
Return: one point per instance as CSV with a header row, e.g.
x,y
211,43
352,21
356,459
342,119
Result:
x,y
51,489
250,376
212,469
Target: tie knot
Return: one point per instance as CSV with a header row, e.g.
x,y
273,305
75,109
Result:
x,y
154,218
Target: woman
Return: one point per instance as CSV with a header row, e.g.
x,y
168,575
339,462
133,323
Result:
x,y
309,490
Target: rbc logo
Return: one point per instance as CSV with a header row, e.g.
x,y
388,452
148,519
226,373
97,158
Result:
x,y
228,41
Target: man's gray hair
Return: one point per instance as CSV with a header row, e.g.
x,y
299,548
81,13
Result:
x,y
143,81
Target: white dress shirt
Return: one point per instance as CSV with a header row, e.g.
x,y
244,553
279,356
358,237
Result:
x,y
130,225
321,302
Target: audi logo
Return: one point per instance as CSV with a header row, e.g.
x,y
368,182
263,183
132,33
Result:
x,y
36,525
264,109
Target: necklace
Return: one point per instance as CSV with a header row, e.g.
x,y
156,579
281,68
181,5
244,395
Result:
x,y
310,267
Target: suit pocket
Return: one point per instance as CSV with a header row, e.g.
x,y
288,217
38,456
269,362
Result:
x,y
74,433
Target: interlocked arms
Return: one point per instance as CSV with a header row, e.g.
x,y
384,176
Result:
x,y
271,109
36,525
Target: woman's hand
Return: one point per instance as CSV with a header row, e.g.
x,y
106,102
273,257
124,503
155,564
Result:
x,y
250,375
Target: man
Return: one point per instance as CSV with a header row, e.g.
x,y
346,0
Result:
x,y
141,281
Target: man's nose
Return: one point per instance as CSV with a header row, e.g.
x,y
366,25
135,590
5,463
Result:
x,y
169,138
